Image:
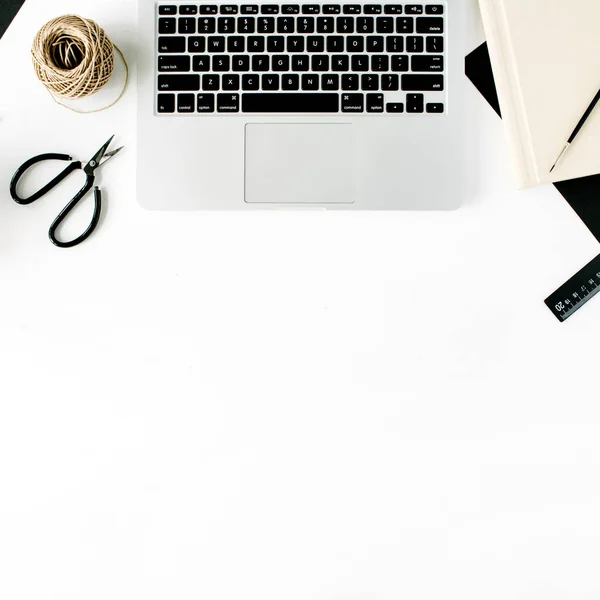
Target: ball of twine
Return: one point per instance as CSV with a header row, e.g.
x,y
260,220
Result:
x,y
74,58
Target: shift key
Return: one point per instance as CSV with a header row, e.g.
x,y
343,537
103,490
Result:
x,y
422,83
179,83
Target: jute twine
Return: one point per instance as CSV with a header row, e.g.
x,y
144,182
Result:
x,y
74,58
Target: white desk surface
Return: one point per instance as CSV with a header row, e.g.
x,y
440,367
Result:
x,y
287,405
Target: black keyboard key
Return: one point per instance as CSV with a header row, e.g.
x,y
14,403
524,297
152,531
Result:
x,y
256,43
260,63
422,83
335,43
360,63
249,9
249,82
201,63
173,63
372,9
220,63
400,63
280,63
375,103
349,82
340,62
332,9
215,43
435,43
210,82
353,103
306,25
315,43
189,9
246,25
290,82
236,43
228,102
369,82
179,83
186,25
352,9
295,43
375,43
229,9
413,9
166,103
392,9
414,103
240,62
290,103
208,9
300,62
311,9
205,103
434,9
290,9
226,24
390,82
394,44
167,25
405,25
414,44
196,44
345,24
355,43
230,83
319,62
430,25
266,25
285,25
420,64
365,25
275,43
394,107
167,10
380,62
330,82
270,82
168,45
385,24
310,82
325,24
186,103
269,9
206,25
435,108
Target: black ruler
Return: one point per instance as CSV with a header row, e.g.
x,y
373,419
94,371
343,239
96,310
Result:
x,y
571,296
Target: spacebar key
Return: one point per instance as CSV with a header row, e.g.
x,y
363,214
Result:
x,y
290,103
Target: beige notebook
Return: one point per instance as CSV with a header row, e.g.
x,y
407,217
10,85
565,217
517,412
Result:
x,y
546,61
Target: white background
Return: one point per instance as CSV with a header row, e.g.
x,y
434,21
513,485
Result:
x,y
287,405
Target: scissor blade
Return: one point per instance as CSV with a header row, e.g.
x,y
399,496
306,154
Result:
x,y
109,155
96,160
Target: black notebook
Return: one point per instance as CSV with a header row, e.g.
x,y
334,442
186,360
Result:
x,y
8,10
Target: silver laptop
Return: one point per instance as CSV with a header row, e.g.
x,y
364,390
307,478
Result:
x,y
266,105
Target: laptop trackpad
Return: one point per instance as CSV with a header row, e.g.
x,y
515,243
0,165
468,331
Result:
x,y
302,163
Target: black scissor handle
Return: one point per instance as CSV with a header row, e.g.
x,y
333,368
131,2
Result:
x,y
69,207
74,166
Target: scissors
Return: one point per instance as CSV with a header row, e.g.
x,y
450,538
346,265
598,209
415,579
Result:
x,y
96,161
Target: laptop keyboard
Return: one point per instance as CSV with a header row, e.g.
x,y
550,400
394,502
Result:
x,y
301,59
